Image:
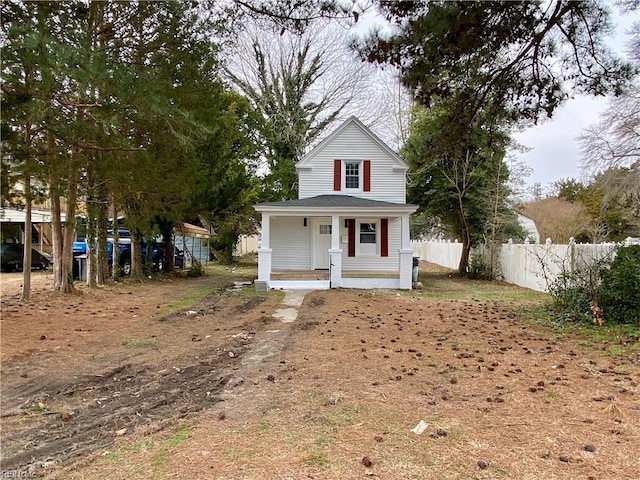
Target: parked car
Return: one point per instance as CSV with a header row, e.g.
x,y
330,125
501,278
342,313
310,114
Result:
x,y
124,252
12,258
178,258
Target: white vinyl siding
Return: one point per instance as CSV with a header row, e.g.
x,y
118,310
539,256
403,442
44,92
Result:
x,y
372,263
291,243
353,145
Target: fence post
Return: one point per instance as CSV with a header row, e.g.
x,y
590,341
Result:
x,y
572,253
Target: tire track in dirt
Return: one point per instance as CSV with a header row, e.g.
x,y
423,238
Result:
x,y
50,421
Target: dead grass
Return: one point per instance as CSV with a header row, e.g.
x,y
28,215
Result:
x,y
361,369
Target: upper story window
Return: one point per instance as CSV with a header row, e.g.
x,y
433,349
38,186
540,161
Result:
x,y
352,175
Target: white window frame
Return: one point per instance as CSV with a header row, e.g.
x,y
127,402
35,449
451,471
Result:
x,y
368,249
360,175
327,231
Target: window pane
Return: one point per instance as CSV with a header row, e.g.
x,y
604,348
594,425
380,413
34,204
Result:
x,y
325,229
367,233
368,238
352,175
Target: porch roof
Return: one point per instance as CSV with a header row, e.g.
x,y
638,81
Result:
x,y
327,204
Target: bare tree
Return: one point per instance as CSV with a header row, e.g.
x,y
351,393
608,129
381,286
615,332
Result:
x,y
395,108
558,219
301,84
613,144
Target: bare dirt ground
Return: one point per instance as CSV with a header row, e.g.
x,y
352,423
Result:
x,y
187,378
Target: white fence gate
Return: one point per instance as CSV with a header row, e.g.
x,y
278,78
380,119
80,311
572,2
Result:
x,y
529,265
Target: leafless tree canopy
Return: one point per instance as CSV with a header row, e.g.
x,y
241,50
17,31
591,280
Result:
x,y
558,219
613,144
315,71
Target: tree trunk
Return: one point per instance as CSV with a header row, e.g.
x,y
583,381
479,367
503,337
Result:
x,y
102,267
466,238
464,258
69,232
26,258
56,233
115,253
26,261
166,230
90,241
136,258
63,235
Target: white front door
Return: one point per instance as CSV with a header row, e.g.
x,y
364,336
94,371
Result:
x,y
321,244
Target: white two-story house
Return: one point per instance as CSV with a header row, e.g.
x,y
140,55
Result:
x,y
349,226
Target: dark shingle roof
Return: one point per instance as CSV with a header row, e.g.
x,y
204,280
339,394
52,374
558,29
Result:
x,y
333,201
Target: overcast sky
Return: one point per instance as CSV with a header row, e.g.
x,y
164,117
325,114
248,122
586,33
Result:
x,y
555,153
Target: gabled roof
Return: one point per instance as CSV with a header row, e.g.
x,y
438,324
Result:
x,y
366,131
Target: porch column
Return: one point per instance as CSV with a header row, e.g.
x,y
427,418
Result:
x,y
335,232
264,257
405,255
266,219
405,233
335,253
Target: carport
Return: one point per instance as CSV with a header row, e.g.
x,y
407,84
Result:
x,y
192,240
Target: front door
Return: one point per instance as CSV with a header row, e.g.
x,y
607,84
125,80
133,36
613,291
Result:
x,y
321,244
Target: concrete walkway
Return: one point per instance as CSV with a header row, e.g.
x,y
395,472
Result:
x,y
292,301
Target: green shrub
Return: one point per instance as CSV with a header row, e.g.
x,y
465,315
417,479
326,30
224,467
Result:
x,y
618,294
478,267
196,270
572,294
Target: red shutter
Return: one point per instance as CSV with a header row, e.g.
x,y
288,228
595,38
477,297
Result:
x,y
384,237
351,224
337,174
366,184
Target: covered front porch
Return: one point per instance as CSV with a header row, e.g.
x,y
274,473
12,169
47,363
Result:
x,y
360,244
320,279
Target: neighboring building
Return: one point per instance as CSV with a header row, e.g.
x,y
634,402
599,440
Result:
x,y
13,223
247,244
529,226
350,219
193,241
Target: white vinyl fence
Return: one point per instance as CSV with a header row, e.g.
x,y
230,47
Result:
x,y
443,252
529,265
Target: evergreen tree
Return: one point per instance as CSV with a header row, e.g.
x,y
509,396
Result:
x,y
457,179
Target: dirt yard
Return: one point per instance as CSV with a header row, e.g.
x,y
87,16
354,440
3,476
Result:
x,y
191,378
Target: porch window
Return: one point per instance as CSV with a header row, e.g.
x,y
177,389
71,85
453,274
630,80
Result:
x,y
368,233
352,175
325,229
367,238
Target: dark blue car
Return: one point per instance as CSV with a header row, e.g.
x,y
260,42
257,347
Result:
x,y
124,252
